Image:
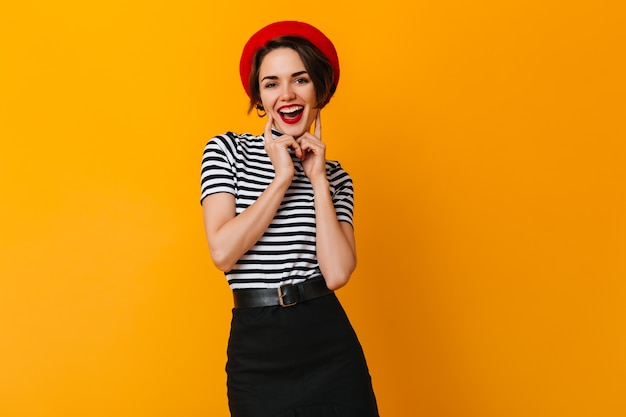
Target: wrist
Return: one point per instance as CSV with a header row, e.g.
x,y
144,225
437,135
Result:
x,y
320,183
282,182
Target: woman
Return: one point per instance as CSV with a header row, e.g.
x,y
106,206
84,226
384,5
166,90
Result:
x,y
278,220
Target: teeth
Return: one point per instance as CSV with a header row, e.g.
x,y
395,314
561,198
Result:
x,y
291,109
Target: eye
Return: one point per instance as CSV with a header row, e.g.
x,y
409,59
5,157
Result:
x,y
302,80
269,85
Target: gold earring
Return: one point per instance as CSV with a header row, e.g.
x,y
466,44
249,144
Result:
x,y
259,109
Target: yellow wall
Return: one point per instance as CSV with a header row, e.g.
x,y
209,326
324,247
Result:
x,y
486,141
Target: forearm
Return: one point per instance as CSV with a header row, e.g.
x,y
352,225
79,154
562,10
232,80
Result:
x,y
232,239
336,252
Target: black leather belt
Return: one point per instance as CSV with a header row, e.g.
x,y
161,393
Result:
x,y
285,296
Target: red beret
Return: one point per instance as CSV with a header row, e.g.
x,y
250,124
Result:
x,y
286,28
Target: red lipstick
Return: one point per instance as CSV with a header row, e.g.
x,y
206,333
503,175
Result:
x,y
291,114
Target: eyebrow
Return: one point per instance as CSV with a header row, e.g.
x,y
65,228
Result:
x,y
274,77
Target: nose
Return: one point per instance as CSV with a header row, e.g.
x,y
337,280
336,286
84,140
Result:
x,y
287,92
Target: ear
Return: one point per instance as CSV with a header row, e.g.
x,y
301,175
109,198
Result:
x,y
260,110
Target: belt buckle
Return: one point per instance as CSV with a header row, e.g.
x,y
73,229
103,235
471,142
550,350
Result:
x,y
282,303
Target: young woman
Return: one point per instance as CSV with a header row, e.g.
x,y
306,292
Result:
x,y
278,220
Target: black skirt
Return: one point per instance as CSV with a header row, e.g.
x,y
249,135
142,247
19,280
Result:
x,y
298,361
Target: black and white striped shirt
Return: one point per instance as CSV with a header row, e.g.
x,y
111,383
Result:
x,y
285,254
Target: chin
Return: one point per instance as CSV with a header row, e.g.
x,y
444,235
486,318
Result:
x,y
296,130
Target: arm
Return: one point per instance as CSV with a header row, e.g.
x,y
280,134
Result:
x,y
335,243
229,235
336,250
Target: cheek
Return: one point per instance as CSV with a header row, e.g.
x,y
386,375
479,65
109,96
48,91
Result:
x,y
266,99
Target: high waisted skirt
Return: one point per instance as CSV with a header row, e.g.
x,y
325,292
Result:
x,y
298,361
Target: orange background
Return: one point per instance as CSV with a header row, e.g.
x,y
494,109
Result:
x,y
486,141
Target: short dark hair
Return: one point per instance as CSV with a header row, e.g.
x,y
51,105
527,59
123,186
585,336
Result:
x,y
315,62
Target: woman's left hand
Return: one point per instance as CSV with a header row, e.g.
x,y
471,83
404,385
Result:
x,y
314,160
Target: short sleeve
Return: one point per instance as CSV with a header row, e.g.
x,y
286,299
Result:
x,y
217,172
343,194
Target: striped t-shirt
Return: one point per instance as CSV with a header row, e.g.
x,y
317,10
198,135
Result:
x,y
285,254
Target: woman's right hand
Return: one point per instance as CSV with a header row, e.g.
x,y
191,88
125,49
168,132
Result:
x,y
278,151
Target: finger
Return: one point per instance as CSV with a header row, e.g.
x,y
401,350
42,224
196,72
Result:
x,y
310,143
307,137
268,127
287,141
318,125
295,145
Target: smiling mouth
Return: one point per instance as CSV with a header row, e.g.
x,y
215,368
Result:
x,y
291,114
